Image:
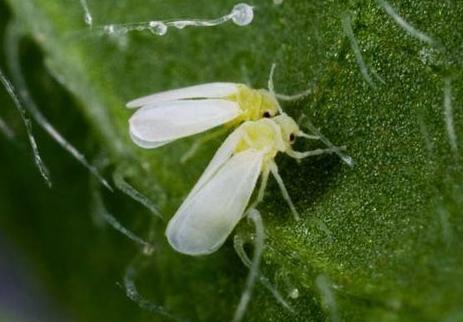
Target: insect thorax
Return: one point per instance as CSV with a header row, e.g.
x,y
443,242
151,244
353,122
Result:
x,y
263,135
255,103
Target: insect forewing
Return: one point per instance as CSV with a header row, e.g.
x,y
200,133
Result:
x,y
208,215
210,90
154,126
221,156
146,144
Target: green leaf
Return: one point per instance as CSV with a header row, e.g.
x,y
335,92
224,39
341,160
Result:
x,y
380,241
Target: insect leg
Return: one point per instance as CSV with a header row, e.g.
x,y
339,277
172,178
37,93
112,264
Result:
x,y
301,155
263,185
284,192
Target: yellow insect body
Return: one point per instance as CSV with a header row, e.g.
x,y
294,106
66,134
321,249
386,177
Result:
x,y
269,136
254,103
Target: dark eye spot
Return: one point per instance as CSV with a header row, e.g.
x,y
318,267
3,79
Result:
x,y
292,138
267,114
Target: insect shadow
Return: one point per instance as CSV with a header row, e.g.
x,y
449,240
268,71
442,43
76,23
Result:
x,y
307,182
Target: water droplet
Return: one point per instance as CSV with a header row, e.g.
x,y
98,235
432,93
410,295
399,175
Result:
x,y
294,294
148,249
88,19
158,28
242,14
109,29
347,159
179,24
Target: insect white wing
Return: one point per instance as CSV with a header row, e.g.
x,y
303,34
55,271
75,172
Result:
x,y
208,215
221,156
209,90
146,144
153,126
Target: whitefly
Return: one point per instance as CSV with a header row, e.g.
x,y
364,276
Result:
x,y
222,194
167,116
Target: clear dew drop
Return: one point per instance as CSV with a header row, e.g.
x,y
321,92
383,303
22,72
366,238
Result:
x,y
242,14
158,27
88,19
348,160
131,293
148,249
179,24
294,294
109,29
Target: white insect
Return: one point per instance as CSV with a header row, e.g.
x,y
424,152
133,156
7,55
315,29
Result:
x,y
221,195
171,115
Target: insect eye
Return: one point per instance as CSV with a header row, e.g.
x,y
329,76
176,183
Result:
x,y
267,114
292,138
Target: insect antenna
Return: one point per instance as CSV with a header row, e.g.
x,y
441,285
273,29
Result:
x,y
271,87
344,157
284,97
